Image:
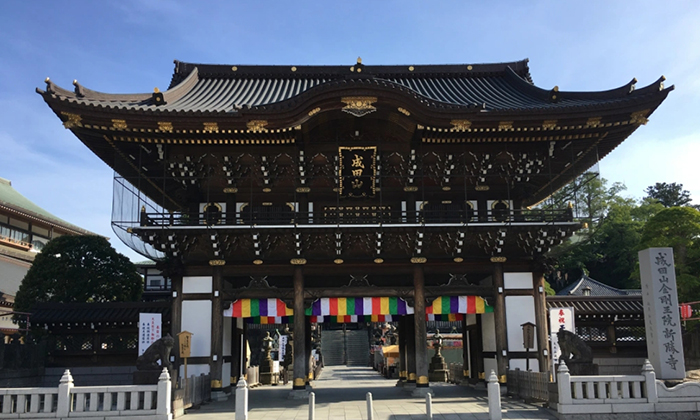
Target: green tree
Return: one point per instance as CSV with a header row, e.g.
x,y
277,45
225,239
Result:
x,y
79,269
678,228
669,195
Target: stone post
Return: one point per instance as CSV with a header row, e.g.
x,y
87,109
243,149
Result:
x,y
650,382
241,399
494,395
564,384
164,394
64,403
370,407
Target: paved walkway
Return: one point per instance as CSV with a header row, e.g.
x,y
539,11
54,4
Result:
x,y
341,394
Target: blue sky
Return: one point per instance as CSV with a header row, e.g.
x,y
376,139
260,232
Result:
x,y
127,46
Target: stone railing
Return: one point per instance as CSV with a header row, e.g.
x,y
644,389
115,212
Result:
x,y
151,402
579,397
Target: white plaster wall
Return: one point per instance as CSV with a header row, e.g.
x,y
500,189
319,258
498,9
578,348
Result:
x,y
488,332
517,280
196,318
519,310
196,284
471,319
226,375
195,370
227,336
489,365
521,363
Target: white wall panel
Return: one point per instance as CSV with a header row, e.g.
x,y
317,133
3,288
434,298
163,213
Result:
x,y
489,365
519,310
199,284
517,280
196,318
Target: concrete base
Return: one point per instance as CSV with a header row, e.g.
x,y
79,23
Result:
x,y
298,394
409,386
400,383
422,392
219,396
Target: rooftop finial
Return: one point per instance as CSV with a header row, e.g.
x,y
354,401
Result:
x,y
47,80
156,90
75,82
359,60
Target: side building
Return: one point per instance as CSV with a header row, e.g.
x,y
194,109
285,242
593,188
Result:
x,y
24,230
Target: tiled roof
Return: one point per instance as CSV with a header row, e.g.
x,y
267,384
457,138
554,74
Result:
x,y
597,289
225,89
12,200
599,306
77,313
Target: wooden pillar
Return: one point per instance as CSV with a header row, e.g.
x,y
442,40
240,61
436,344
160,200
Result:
x,y
411,207
235,351
176,316
541,320
403,373
216,362
410,349
307,348
499,314
420,327
478,347
299,331
465,349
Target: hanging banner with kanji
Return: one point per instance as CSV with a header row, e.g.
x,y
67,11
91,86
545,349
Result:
x,y
150,330
358,171
559,319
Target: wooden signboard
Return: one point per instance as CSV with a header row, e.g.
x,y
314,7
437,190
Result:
x,y
185,343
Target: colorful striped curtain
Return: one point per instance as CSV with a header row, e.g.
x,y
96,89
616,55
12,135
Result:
x,y
359,306
374,309
445,305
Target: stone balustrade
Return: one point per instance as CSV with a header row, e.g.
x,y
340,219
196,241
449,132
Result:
x,y
152,402
623,396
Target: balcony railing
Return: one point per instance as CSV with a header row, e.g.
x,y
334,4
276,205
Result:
x,y
351,217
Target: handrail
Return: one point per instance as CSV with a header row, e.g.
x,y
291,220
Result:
x,y
345,216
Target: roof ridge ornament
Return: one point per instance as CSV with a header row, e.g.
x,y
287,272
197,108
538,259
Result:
x,y
359,106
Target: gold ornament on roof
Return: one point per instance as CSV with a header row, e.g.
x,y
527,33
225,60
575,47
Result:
x,y
419,260
314,112
498,259
72,120
461,125
593,122
119,124
257,126
639,117
211,127
298,261
549,124
165,126
359,106
505,125
215,263
404,112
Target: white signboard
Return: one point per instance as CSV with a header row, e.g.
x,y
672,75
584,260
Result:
x,y
661,317
150,330
282,347
559,319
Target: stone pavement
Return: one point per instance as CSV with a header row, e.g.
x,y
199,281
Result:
x,y
341,394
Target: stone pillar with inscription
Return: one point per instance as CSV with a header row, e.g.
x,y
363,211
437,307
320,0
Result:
x,y
661,316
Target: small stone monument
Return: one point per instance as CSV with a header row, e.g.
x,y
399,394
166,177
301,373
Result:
x,y
266,364
437,372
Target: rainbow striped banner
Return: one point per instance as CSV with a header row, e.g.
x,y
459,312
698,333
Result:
x,y
372,309
264,308
359,306
445,305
